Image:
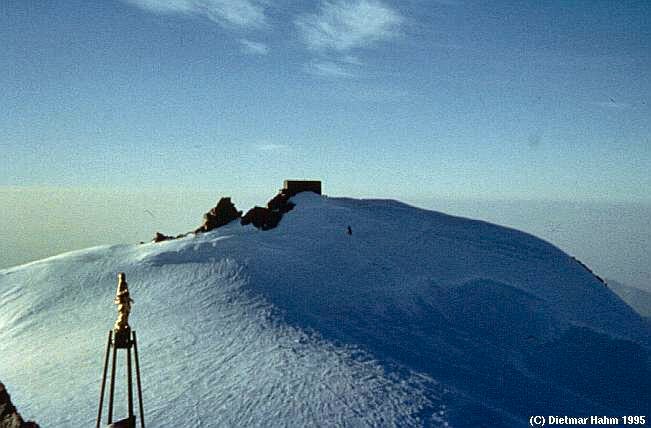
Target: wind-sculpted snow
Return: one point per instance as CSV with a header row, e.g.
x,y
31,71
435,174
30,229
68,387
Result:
x,y
212,353
416,319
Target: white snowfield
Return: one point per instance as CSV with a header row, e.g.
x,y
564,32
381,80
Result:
x,y
416,319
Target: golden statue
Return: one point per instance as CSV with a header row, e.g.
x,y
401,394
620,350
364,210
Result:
x,y
123,301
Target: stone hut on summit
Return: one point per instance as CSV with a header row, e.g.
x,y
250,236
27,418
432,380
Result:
x,y
294,187
281,203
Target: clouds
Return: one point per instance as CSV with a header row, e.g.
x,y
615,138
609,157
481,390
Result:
x,y
331,32
228,13
324,68
270,147
254,48
342,26
612,104
345,25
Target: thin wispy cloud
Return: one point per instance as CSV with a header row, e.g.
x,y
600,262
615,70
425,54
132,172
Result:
x,y
271,147
344,25
612,104
238,13
328,69
254,48
448,2
351,59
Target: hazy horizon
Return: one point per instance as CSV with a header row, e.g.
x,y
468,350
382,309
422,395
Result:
x,y
186,101
611,238
494,100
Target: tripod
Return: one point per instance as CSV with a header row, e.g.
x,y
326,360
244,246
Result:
x,y
124,339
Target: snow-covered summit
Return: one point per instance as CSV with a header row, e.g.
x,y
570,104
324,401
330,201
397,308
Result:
x,y
417,318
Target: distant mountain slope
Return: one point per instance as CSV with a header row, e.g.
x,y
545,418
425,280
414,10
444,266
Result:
x,y
416,319
639,300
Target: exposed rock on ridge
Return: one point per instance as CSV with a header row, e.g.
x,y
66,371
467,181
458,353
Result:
x,y
9,416
264,218
222,214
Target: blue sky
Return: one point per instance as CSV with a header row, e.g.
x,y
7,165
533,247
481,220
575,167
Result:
x,y
411,98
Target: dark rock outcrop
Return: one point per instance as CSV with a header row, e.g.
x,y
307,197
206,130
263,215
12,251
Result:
x,y
262,218
159,237
280,203
269,217
9,416
222,214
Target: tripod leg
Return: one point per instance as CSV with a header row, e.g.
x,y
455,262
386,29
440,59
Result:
x,y
135,351
112,387
101,393
129,384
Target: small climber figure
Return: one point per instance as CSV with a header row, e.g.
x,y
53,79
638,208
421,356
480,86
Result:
x,y
349,231
123,301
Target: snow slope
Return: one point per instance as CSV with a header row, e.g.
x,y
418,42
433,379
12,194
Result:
x,y
417,319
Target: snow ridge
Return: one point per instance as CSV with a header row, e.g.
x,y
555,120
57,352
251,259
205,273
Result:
x,y
416,319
